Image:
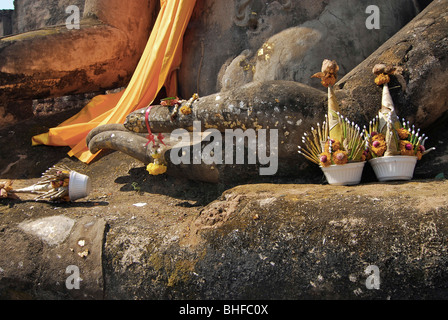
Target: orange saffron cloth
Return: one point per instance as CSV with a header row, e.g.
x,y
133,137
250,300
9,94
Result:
x,y
156,68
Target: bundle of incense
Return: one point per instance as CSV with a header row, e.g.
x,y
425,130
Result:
x,y
314,142
58,184
353,138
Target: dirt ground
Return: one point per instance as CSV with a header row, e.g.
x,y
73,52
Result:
x,y
115,176
123,194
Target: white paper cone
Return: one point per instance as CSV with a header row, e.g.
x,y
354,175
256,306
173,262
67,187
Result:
x,y
37,188
387,110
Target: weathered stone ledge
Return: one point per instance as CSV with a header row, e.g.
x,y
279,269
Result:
x,y
262,241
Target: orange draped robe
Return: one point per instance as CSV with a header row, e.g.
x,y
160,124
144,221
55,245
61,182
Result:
x,y
156,68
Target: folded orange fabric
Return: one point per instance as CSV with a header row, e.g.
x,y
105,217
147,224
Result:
x,y
157,67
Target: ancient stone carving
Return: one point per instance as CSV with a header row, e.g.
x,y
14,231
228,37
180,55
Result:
x,y
55,61
291,107
338,28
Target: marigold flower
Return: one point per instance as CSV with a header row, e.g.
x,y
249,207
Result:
x,y
340,157
382,79
378,137
403,133
379,147
185,110
406,148
366,155
335,145
325,159
407,153
156,169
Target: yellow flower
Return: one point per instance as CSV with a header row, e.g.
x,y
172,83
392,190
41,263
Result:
x,y
366,155
340,157
378,137
335,146
403,133
325,159
379,147
406,148
185,110
156,169
382,79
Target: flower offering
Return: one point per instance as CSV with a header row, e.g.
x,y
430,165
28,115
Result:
x,y
338,142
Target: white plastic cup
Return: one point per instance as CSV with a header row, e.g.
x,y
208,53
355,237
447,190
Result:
x,y
79,186
344,175
394,167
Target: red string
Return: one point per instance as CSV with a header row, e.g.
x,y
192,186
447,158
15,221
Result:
x,y
160,137
150,136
